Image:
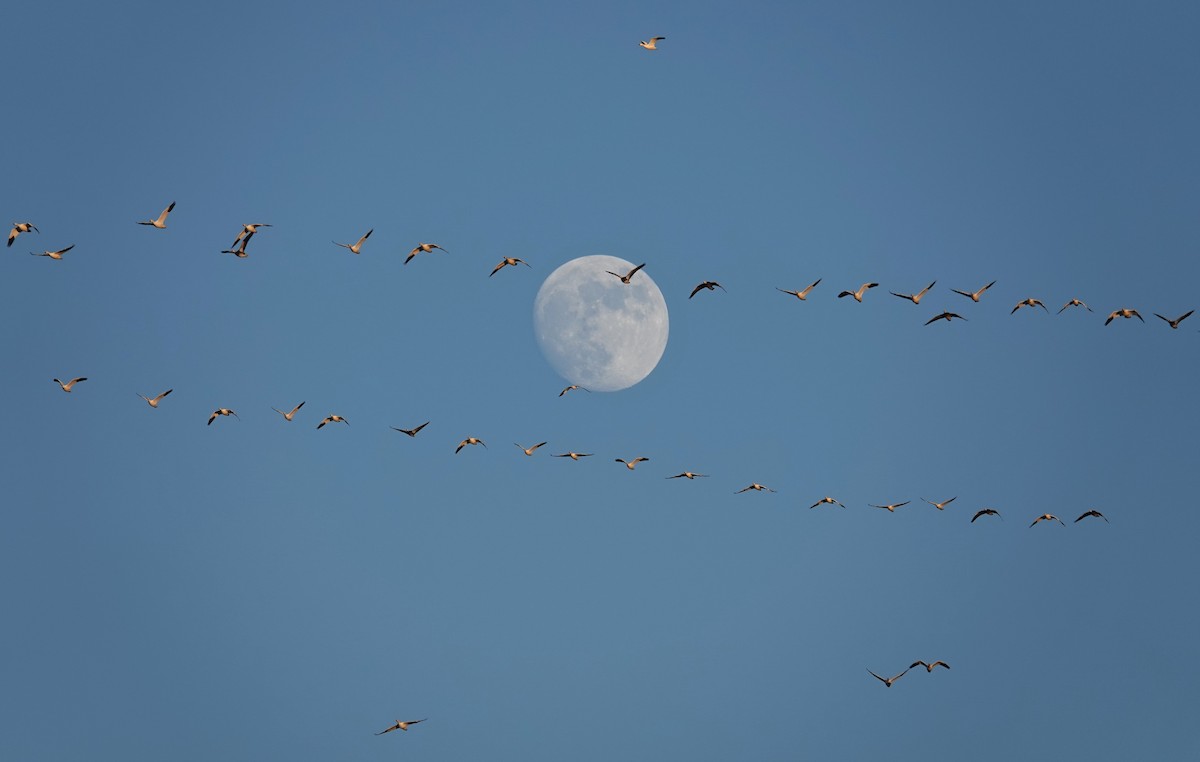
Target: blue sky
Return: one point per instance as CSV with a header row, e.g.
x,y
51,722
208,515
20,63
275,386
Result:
x,y
258,589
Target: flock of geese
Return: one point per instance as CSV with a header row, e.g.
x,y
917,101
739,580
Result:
x,y
239,249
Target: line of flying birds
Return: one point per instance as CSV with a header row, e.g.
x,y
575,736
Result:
x,y
248,231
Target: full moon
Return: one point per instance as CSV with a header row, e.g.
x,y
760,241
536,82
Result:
x,y
595,330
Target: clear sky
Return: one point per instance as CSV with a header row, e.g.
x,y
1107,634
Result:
x,y
258,589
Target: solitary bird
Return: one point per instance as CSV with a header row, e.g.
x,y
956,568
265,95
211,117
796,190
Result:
x,y
947,316
858,295
509,262
249,230
1031,302
825,500
801,295
222,411
469,441
161,222
19,228
628,276
529,450
67,386
574,455
291,415
410,432
974,296
917,297
1123,313
53,254
652,43
240,251
333,419
942,505
986,512
686,475
891,508
424,248
357,247
756,487
709,284
153,401
1092,512
1047,517
571,388
401,725
889,680
1174,323
929,667
630,463
1075,303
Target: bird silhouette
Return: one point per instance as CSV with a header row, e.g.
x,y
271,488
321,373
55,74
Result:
x,y
161,221
410,432
628,276
801,295
974,296
357,247
18,228
917,297
153,401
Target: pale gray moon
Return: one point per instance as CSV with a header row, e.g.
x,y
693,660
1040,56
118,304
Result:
x,y
596,331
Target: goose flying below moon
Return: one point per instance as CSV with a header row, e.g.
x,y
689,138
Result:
x,y
597,331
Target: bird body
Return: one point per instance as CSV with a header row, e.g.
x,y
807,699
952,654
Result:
x,y
891,507
942,505
708,284
1092,512
574,455
572,387
333,419
18,228
1047,517
628,276
917,297
161,221
357,247
1028,303
974,295
1123,313
858,295
1174,323
401,725
929,667
986,512
468,441
53,254
68,385
630,463
756,487
947,316
153,401
652,43
686,475
509,262
1075,303
240,251
222,411
529,450
801,295
426,248
824,501
248,230
411,432
289,416
889,680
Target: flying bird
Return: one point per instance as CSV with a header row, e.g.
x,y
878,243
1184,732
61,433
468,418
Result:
x,y
974,296
1123,313
19,228
986,512
629,276
1092,512
947,316
53,254
153,401
333,419
891,508
652,43
858,295
574,455
889,680
357,247
469,441
686,475
426,248
291,415
709,284
1174,323
1075,303
161,222
401,725
756,487
247,231
1047,517
1031,302
801,295
929,667
67,386
529,450
942,505
410,432
825,500
917,297
222,411
572,387
240,251
630,463
509,262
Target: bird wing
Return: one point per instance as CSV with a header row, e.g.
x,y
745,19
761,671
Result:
x,y
695,290
502,264
964,293
423,425
164,394
936,663
1183,317
877,677
64,251
634,270
365,237
845,293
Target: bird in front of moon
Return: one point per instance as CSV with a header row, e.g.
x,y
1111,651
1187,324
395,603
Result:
x,y
597,331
